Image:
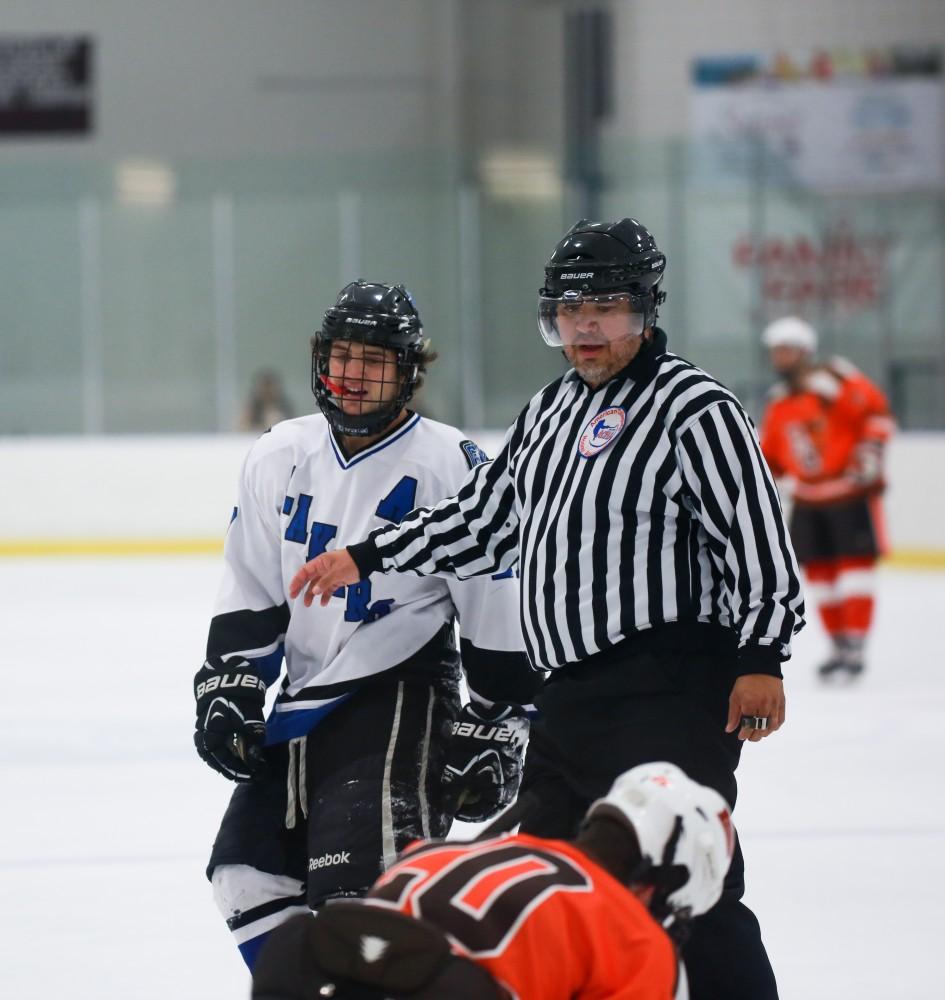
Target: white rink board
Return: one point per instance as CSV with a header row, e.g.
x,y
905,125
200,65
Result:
x,y
109,814
149,488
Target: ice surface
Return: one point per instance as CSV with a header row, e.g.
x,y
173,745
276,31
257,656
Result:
x,y
107,814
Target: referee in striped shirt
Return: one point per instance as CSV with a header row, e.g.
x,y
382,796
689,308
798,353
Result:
x,y
658,583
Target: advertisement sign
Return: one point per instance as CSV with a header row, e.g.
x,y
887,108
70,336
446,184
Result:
x,y
45,85
826,120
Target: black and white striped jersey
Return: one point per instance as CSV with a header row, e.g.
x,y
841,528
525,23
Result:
x,y
300,495
641,503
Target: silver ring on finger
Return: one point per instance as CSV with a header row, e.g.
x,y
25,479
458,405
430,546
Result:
x,y
756,722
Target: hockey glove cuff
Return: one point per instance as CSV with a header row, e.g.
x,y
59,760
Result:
x,y
483,769
230,728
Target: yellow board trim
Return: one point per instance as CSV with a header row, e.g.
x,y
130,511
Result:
x,y
915,559
62,547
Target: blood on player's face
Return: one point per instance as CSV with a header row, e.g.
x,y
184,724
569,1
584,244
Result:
x,y
362,377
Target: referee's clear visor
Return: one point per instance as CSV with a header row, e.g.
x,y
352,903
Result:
x,y
574,318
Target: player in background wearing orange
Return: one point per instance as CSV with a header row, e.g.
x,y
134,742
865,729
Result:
x,y
825,427
547,919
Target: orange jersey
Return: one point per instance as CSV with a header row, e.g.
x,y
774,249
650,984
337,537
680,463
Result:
x,y
827,434
543,918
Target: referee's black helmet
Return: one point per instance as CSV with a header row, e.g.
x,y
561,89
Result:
x,y
606,258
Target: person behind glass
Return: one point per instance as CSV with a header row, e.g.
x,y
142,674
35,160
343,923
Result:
x,y
358,756
825,428
267,404
659,586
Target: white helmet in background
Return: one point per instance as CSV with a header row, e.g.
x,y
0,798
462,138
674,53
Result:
x,y
790,331
684,830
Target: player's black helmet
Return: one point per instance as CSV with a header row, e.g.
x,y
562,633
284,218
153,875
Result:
x,y
369,314
599,259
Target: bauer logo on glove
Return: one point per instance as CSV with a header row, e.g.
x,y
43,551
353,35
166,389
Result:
x,y
485,731
483,769
230,729
227,680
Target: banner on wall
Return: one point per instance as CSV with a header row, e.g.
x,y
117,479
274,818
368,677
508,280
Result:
x,y
842,269
827,120
45,85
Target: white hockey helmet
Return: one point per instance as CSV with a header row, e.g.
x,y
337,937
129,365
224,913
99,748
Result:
x,y
679,825
790,331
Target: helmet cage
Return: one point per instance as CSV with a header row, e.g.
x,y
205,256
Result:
x,y
402,334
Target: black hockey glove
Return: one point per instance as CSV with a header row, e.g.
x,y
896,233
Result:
x,y
483,769
230,728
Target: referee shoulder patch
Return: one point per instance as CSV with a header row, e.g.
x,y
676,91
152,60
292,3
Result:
x,y
473,453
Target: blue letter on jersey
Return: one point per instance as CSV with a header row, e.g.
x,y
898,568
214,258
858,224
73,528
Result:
x,y
297,531
358,607
399,502
321,535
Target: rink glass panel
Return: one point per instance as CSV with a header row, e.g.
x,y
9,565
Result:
x,y
120,317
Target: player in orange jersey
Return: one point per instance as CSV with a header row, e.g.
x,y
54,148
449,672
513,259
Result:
x,y
826,426
546,919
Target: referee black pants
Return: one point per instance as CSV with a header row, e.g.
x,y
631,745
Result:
x,y
608,714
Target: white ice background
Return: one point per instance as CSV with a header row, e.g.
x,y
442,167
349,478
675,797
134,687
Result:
x,y
107,814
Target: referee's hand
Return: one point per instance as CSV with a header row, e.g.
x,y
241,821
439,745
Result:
x,y
323,575
757,695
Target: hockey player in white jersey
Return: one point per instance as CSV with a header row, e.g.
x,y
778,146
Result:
x,y
366,748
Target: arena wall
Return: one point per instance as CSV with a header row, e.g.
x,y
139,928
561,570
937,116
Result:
x,y
165,494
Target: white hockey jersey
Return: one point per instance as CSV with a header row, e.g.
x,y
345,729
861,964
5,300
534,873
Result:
x,y
298,496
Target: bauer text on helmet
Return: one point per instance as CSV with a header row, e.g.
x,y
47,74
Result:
x,y
602,281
